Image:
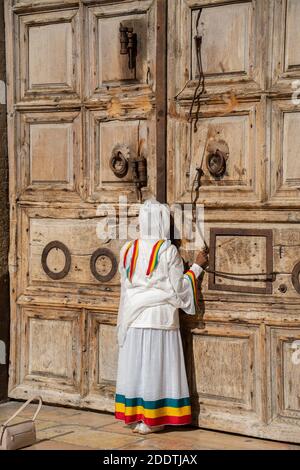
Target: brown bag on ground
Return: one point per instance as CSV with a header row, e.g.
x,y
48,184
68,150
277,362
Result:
x,y
19,435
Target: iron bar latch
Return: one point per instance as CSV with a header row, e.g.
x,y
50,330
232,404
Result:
x,y
128,43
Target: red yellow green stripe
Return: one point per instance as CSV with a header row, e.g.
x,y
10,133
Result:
x,y
153,413
134,256
192,278
154,257
126,253
129,265
163,420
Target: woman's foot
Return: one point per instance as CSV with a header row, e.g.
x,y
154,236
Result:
x,y
136,427
144,429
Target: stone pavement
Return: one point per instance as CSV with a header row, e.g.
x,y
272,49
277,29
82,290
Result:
x,y
70,429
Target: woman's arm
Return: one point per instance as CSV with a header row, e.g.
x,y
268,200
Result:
x,y
122,272
184,284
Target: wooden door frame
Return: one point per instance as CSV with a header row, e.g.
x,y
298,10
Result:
x,y
4,277
161,100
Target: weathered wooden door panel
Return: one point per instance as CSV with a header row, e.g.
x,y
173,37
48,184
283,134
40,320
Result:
x,y
40,229
102,361
285,376
285,54
107,69
74,102
241,130
283,85
284,168
49,155
245,254
130,133
48,56
243,366
232,53
56,365
227,370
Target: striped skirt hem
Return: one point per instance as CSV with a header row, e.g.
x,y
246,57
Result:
x,y
167,411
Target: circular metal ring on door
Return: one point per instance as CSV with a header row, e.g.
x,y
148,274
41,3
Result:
x,y
216,163
106,255
118,162
295,277
59,246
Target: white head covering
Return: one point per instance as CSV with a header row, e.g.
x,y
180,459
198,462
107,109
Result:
x,y
154,221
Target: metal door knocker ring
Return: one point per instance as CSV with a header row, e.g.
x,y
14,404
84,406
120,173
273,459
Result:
x,y
216,160
216,163
295,277
105,255
58,246
119,161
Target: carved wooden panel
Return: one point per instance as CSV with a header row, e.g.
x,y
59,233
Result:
x,y
246,255
285,52
50,154
220,36
239,133
285,372
286,257
102,361
226,371
131,136
285,144
49,55
107,354
50,349
237,253
105,64
81,237
231,47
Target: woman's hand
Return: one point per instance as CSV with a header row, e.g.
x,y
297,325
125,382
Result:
x,y
202,259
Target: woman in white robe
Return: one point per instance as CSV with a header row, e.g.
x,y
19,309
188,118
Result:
x,y
152,389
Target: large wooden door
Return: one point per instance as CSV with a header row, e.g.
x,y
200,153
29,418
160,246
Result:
x,y
73,103
243,364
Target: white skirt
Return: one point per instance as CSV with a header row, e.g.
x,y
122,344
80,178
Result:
x,y
151,381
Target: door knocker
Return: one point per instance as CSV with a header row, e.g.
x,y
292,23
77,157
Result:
x,y
118,162
121,161
216,163
216,160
